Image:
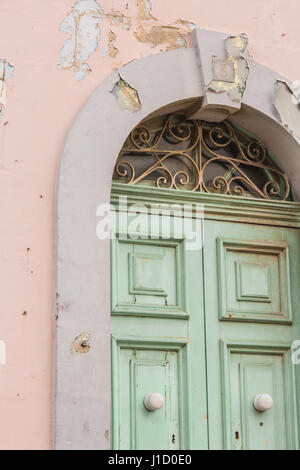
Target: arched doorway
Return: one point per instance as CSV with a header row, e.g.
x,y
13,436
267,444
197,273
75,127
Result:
x,y
83,379
204,299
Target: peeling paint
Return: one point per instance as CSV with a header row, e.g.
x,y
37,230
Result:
x,y
188,24
2,353
144,10
116,16
85,34
157,35
82,24
126,96
6,71
127,24
288,107
110,47
81,345
237,54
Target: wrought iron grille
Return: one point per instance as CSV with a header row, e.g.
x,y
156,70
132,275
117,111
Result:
x,y
176,153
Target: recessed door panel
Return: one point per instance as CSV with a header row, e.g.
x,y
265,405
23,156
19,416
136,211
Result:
x,y
143,371
254,280
248,372
149,277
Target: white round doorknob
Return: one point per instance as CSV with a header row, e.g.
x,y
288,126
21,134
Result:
x,y
263,402
154,401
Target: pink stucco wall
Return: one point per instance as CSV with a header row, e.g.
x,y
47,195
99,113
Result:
x,y
42,101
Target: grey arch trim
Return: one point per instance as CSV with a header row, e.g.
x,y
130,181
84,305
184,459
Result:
x,y
82,299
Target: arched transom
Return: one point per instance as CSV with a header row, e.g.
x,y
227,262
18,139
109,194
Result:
x,y
176,153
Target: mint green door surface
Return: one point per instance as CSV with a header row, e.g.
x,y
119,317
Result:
x,y
252,303
158,342
209,329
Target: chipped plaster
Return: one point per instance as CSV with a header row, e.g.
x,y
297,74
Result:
x,y
6,71
81,345
126,96
86,34
237,53
287,104
295,87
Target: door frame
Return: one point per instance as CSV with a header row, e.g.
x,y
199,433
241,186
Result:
x,y
82,388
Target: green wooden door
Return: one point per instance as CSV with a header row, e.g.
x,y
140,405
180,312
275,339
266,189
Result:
x,y
158,338
252,302
208,329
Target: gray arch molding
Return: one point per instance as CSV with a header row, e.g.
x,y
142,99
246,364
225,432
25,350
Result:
x,y
82,298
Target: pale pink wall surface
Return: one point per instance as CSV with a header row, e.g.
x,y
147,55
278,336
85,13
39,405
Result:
x,y
42,102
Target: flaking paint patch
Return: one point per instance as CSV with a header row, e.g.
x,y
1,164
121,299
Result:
x,y
81,345
6,71
187,24
111,48
171,36
116,17
144,10
126,96
237,53
287,107
83,26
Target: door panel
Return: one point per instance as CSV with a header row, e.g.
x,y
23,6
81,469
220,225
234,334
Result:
x,y
250,297
149,277
247,370
142,368
254,281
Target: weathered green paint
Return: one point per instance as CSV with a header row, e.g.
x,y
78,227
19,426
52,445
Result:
x,y
209,329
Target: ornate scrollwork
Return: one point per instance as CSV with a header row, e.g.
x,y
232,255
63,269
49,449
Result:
x,y
177,153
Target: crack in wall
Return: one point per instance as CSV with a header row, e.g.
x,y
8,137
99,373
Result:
x,y
85,33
